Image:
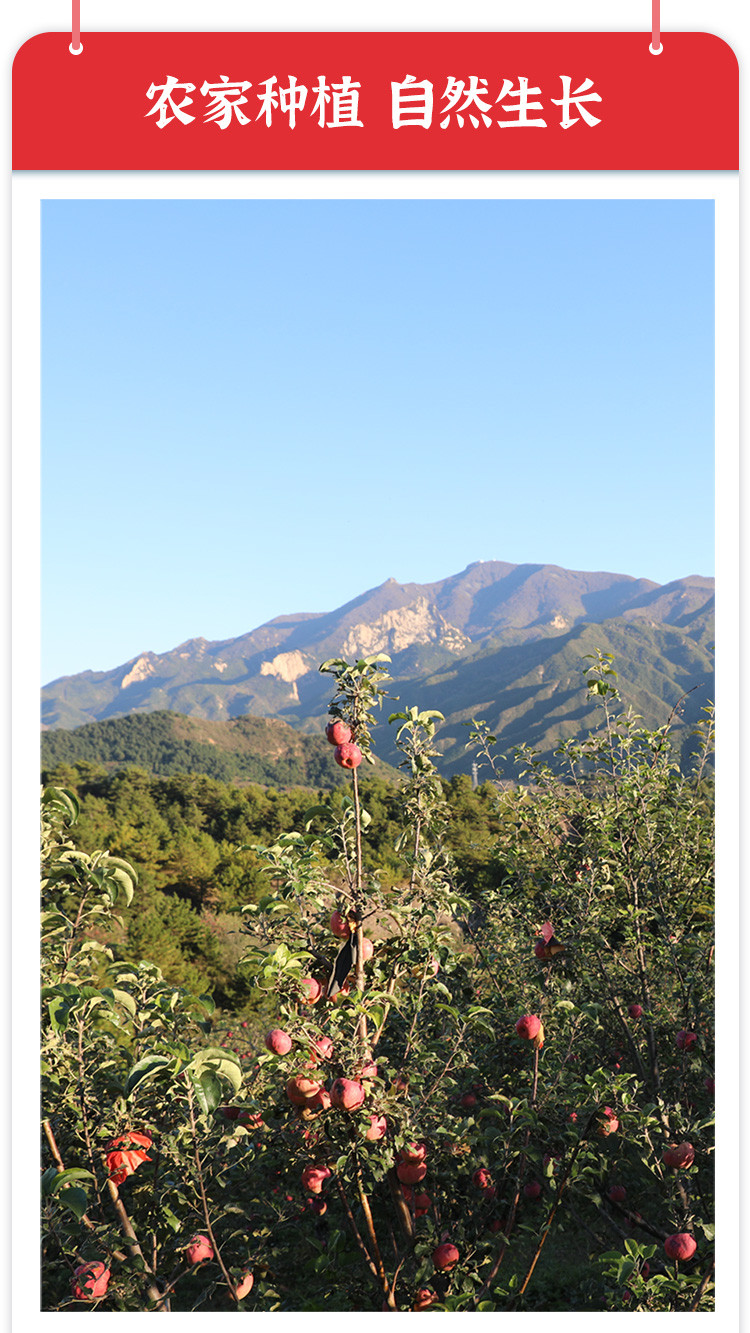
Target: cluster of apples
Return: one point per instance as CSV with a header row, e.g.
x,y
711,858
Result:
x,y
411,1170
346,754
312,989
345,1094
482,1180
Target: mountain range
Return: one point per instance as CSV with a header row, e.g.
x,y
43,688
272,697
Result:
x,y
497,641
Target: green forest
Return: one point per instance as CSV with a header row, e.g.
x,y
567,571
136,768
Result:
x,y
243,749
191,839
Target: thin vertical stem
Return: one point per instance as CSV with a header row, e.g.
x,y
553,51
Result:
x,y
359,976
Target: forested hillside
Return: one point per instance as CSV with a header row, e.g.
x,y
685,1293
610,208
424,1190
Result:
x,y
244,749
191,840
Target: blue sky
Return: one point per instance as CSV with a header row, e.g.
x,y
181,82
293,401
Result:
x,y
252,408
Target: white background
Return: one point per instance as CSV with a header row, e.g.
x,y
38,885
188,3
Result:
x,y
729,19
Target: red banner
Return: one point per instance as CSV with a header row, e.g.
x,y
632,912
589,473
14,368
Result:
x,y
375,101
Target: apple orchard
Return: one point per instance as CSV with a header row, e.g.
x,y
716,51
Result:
x,y
464,1098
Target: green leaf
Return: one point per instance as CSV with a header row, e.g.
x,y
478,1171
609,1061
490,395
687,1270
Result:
x,y
123,884
200,1095
313,812
126,1001
53,921
65,1178
169,1218
48,1177
218,1062
63,801
75,1201
125,866
58,1010
212,1090
146,1068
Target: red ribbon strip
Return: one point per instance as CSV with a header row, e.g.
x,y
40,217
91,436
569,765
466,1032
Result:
x,y
75,45
656,46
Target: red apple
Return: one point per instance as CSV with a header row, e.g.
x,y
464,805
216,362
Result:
x,y
424,1299
617,1193
244,1286
341,994
250,1119
412,1152
680,1246
378,1128
445,1256
368,949
340,926
200,1248
314,1177
482,1178
530,1028
532,1190
348,756
347,1094
369,1070
90,1281
410,1173
685,1040
313,990
677,1156
321,1101
635,1010
279,1042
607,1123
300,1090
337,733
468,1101
421,1203
322,1048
